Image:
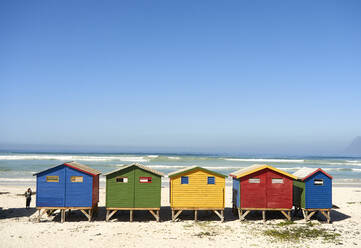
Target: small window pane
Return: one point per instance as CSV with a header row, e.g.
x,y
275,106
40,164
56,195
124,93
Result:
x,y
145,179
211,180
53,179
76,179
277,180
318,182
184,180
121,179
254,180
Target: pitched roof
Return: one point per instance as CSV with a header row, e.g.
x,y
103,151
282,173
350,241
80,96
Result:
x,y
304,173
257,167
76,166
190,168
137,165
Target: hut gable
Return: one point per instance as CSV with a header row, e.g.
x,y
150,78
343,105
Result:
x,y
193,168
196,187
258,167
67,185
262,187
133,186
313,189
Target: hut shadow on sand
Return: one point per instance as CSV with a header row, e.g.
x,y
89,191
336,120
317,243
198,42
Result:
x,y
335,216
16,212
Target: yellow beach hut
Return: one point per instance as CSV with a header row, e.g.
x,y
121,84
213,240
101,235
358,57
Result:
x,y
196,188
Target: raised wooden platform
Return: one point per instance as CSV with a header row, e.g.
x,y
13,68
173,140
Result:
x,y
87,211
309,212
112,211
243,212
218,211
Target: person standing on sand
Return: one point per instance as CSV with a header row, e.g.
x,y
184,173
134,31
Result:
x,y
28,197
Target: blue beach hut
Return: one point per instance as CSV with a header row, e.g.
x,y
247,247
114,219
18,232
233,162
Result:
x,y
312,192
67,186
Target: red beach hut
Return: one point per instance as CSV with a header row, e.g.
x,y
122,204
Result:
x,y
262,187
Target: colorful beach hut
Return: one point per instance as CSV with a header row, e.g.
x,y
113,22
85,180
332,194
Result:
x,y
312,192
196,188
263,188
133,187
69,186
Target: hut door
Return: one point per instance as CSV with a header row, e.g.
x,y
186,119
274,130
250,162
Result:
x,y
279,191
253,191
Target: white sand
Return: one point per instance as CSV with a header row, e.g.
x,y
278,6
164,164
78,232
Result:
x,y
18,226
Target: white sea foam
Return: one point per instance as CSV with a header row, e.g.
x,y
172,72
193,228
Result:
x,y
175,158
153,156
265,160
75,157
17,179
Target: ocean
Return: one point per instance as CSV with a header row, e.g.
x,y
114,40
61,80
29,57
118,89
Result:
x,y
18,168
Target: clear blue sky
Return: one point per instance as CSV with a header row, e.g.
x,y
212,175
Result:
x,y
262,76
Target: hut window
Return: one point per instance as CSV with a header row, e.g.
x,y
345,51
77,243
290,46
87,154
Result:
x,y
318,182
277,180
211,180
121,179
76,179
145,179
52,179
254,180
184,180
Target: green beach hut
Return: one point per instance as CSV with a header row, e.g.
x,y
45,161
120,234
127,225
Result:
x,y
133,187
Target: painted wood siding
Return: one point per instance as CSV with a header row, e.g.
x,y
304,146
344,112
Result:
x,y
147,195
299,194
236,193
197,193
95,195
78,194
120,195
266,194
253,195
318,196
50,194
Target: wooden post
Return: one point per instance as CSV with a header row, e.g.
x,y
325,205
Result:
x,y
107,216
222,213
195,215
90,214
131,215
62,213
264,215
329,216
158,215
239,214
172,215
39,215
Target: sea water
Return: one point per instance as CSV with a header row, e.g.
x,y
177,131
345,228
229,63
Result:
x,y
18,168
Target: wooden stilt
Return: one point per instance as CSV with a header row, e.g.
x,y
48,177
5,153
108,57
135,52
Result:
x,y
39,215
239,214
326,213
264,216
222,213
158,215
286,214
154,215
110,214
177,214
131,215
173,215
90,214
195,215
244,215
62,213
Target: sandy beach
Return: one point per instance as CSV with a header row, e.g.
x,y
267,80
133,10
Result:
x,y
19,227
